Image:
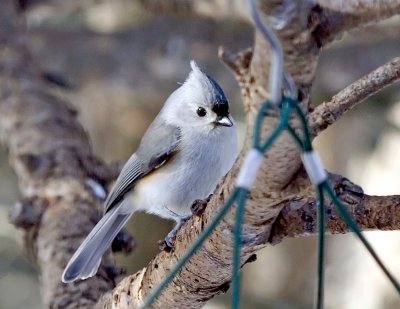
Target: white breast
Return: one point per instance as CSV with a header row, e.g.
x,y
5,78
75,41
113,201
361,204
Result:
x,y
191,174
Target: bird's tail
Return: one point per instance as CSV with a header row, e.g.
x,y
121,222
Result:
x,y
86,260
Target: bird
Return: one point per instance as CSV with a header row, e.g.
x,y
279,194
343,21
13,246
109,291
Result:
x,y
186,150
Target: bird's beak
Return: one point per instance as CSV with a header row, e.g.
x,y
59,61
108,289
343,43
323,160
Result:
x,y
224,121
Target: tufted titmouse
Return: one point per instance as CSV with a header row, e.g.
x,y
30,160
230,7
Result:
x,y
188,147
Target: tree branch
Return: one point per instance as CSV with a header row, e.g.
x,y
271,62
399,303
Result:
x,y
354,13
328,113
299,218
60,178
370,212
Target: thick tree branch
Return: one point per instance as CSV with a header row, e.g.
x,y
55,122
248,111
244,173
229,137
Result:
x,y
370,212
57,171
328,113
342,16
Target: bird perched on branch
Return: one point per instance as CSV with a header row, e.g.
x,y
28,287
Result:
x,y
183,154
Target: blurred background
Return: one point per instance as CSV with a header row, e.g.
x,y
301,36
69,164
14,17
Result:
x,y
123,63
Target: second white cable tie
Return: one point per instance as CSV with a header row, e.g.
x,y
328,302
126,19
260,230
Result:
x,y
314,167
249,169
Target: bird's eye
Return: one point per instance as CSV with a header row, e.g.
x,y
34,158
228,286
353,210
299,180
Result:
x,y
201,112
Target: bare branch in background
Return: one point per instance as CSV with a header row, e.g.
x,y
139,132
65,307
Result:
x,y
328,113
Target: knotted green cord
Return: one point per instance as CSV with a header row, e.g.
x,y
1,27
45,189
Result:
x,y
306,146
262,147
236,249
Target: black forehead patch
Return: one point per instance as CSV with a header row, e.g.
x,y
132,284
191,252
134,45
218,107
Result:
x,y
221,109
220,104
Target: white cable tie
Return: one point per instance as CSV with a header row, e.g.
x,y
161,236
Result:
x,y
314,168
249,169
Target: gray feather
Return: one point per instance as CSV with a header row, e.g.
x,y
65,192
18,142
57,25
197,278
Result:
x,y
86,260
157,146
132,170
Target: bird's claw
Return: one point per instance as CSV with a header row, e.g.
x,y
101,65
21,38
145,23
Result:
x,y
165,245
169,243
171,235
199,206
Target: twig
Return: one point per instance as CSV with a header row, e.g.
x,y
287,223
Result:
x,y
328,113
238,63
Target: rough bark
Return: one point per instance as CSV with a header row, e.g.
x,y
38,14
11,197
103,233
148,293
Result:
x,y
58,172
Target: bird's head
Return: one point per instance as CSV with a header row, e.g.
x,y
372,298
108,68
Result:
x,y
199,102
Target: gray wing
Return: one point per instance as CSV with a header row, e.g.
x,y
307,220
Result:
x,y
158,145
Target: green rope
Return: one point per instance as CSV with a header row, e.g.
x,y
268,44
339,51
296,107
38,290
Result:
x,y
307,146
236,249
243,193
296,138
283,122
258,124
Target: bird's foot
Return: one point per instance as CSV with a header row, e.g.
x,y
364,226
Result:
x,y
166,244
199,206
163,246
